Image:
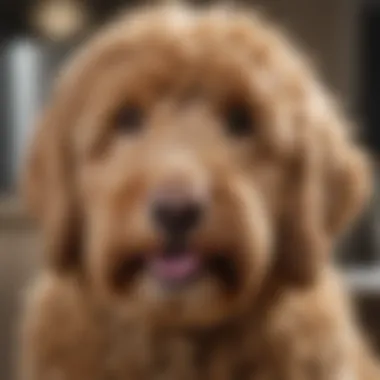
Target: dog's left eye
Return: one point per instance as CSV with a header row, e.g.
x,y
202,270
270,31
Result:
x,y
238,120
129,119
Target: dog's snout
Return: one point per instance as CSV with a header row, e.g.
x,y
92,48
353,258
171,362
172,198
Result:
x,y
176,212
179,192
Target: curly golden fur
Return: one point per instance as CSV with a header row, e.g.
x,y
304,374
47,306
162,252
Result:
x,y
218,106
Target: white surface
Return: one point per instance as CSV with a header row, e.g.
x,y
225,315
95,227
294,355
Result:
x,y
25,60
364,280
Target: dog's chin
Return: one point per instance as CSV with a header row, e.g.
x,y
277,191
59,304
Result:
x,y
182,286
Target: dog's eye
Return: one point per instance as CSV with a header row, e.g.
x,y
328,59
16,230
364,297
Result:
x,y
129,119
238,120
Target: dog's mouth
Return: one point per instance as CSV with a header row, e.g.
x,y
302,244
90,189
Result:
x,y
178,266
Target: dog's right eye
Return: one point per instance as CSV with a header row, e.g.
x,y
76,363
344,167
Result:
x,y
238,120
129,119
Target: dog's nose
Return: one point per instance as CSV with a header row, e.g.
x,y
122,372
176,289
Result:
x,y
176,213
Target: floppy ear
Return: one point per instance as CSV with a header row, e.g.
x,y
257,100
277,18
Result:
x,y
48,181
347,176
328,182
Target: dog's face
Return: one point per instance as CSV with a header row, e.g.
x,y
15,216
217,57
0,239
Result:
x,y
188,158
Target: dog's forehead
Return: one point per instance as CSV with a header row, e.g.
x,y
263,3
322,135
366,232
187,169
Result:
x,y
219,34
228,53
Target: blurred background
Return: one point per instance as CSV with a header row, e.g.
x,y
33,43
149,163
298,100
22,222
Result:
x,y
342,36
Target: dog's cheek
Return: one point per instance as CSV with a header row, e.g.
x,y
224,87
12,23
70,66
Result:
x,y
117,228
253,210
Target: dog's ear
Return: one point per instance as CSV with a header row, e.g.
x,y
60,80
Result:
x,y
327,185
48,180
348,182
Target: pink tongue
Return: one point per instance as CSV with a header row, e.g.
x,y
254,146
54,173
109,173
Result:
x,y
175,268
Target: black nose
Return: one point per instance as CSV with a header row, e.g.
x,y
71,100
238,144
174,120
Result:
x,y
177,216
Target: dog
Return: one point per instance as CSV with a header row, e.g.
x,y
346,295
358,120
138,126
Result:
x,y
190,176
